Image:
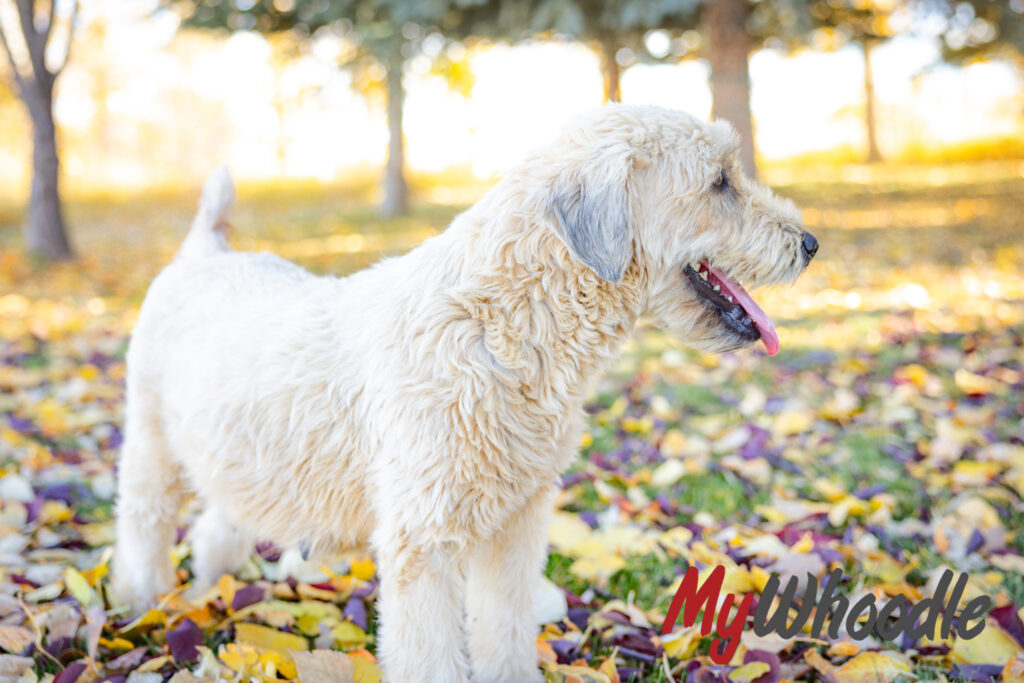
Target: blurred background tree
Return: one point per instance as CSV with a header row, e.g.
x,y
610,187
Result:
x,y
377,37
868,23
616,30
36,55
829,25
975,29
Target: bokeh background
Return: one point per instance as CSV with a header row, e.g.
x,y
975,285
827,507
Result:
x,y
885,439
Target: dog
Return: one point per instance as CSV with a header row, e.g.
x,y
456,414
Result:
x,y
428,405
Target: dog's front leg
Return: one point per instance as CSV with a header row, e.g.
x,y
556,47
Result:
x,y
421,614
501,595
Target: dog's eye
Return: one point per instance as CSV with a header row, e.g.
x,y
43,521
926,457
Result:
x,y
721,182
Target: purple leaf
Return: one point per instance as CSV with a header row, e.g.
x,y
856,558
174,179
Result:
x,y
268,551
1010,621
365,591
755,444
71,673
977,673
245,596
869,491
185,639
975,542
564,649
355,611
579,616
628,673
774,675
20,425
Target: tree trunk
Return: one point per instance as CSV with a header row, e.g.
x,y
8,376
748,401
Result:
x,y
874,155
610,70
396,191
45,233
729,47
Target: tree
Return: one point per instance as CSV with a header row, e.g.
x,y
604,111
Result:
x,y
380,35
614,28
725,25
868,23
976,29
28,48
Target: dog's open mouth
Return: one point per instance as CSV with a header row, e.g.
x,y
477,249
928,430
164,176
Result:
x,y
735,307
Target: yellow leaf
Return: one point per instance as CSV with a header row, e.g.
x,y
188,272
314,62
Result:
x,y
324,666
545,652
366,669
54,512
596,568
1008,563
238,658
308,624
1013,672
267,638
362,569
748,672
970,383
608,669
119,644
565,673
992,646
154,664
845,648
78,586
94,575
682,643
284,664
972,473
872,667
348,635
819,663
227,587
793,422
673,444
153,617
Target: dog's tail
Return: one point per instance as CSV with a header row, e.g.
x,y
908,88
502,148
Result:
x,y
210,227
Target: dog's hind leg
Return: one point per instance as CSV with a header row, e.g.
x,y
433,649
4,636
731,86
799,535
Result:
x,y
218,546
149,495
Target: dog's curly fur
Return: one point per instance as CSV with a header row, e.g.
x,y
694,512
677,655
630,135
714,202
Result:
x,y
429,404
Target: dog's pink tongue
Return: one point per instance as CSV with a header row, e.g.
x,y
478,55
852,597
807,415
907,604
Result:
x,y
768,335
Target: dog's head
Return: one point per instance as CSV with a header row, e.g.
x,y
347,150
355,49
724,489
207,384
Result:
x,y
665,191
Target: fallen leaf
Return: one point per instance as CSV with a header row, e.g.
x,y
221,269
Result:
x,y
324,666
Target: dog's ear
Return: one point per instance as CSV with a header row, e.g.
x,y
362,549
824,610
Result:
x,y
594,220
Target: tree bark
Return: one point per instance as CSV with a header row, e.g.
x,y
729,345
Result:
x,y
610,70
729,48
870,123
45,232
396,190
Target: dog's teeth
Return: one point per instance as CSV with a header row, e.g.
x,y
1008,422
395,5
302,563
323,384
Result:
x,y
717,288
728,298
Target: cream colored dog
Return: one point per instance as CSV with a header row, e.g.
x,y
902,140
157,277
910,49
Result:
x,y
429,404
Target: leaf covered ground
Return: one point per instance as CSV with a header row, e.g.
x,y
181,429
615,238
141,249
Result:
x,y
885,440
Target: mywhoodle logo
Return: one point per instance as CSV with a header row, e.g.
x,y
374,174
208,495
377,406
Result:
x,y
912,619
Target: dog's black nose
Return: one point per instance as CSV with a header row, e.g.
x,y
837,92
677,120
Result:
x,y
810,246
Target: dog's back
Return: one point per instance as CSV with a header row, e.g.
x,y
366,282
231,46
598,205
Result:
x,y
227,398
